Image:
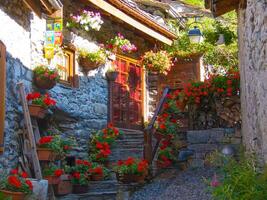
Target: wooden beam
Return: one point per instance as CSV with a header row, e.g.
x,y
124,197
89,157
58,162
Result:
x,y
48,7
35,6
129,20
2,93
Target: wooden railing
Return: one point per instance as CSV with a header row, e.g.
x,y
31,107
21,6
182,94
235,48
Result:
x,y
149,150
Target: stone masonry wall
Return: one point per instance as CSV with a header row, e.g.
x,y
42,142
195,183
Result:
x,y
253,67
203,142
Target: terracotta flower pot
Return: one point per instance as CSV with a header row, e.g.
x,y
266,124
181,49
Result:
x,y
13,195
63,188
52,180
88,65
96,177
44,83
112,76
37,111
80,189
131,178
46,154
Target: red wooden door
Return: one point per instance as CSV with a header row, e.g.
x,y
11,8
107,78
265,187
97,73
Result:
x,y
126,94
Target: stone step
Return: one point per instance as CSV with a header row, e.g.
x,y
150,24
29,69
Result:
x,y
103,186
90,196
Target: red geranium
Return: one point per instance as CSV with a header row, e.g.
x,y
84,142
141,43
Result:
x,y
58,172
41,100
14,181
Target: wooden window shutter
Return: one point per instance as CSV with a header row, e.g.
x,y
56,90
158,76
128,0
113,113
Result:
x,y
2,93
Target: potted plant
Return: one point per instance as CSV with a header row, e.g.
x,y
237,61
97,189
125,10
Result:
x,y
52,174
80,176
157,61
165,156
100,152
97,172
119,44
166,128
112,74
16,185
44,77
52,147
64,187
38,104
91,60
87,20
131,170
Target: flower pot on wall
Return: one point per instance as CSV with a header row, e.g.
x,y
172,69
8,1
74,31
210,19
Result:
x,y
131,178
96,177
112,76
37,111
63,188
46,154
79,189
13,195
88,65
52,180
44,83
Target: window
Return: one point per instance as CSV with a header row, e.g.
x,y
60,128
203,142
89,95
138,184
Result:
x,y
2,93
64,61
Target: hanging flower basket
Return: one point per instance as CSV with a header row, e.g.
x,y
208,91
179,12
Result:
x,y
88,65
80,189
44,83
46,154
13,195
112,75
37,111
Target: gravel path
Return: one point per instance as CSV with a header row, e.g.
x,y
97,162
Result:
x,y
177,185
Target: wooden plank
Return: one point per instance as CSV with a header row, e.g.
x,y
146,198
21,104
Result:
x,y
2,93
27,118
47,6
129,20
35,6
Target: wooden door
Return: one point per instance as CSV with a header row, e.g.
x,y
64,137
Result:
x,y
126,95
2,93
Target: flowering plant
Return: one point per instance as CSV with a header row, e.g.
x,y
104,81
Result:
x,y
88,20
123,44
53,171
44,72
131,166
101,151
55,143
98,56
167,125
80,173
17,182
42,100
165,155
98,170
159,61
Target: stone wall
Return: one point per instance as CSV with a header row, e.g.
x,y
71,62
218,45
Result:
x,y
202,143
253,67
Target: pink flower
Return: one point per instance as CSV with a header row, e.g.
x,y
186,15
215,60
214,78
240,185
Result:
x,y
214,182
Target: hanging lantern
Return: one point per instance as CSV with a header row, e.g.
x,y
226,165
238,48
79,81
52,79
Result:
x,y
195,35
228,150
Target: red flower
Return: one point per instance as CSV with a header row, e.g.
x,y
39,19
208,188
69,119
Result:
x,y
142,166
129,161
99,145
24,175
58,172
66,147
97,170
162,126
120,163
29,183
45,140
79,162
76,175
14,181
14,171
85,162
110,125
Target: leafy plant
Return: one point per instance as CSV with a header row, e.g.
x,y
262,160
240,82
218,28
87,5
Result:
x,y
157,61
166,154
80,172
52,170
98,56
42,100
131,166
122,43
44,72
16,182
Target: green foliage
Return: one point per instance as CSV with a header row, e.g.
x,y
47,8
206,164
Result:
x,y
199,3
241,181
95,56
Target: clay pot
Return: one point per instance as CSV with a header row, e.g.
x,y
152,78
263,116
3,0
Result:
x,y
52,180
80,189
13,195
112,76
37,111
44,83
88,65
46,154
96,177
131,178
64,187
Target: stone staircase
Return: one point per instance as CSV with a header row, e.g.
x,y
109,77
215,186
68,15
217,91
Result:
x,y
130,144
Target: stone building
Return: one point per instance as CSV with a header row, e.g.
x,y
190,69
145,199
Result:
x,y
252,21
